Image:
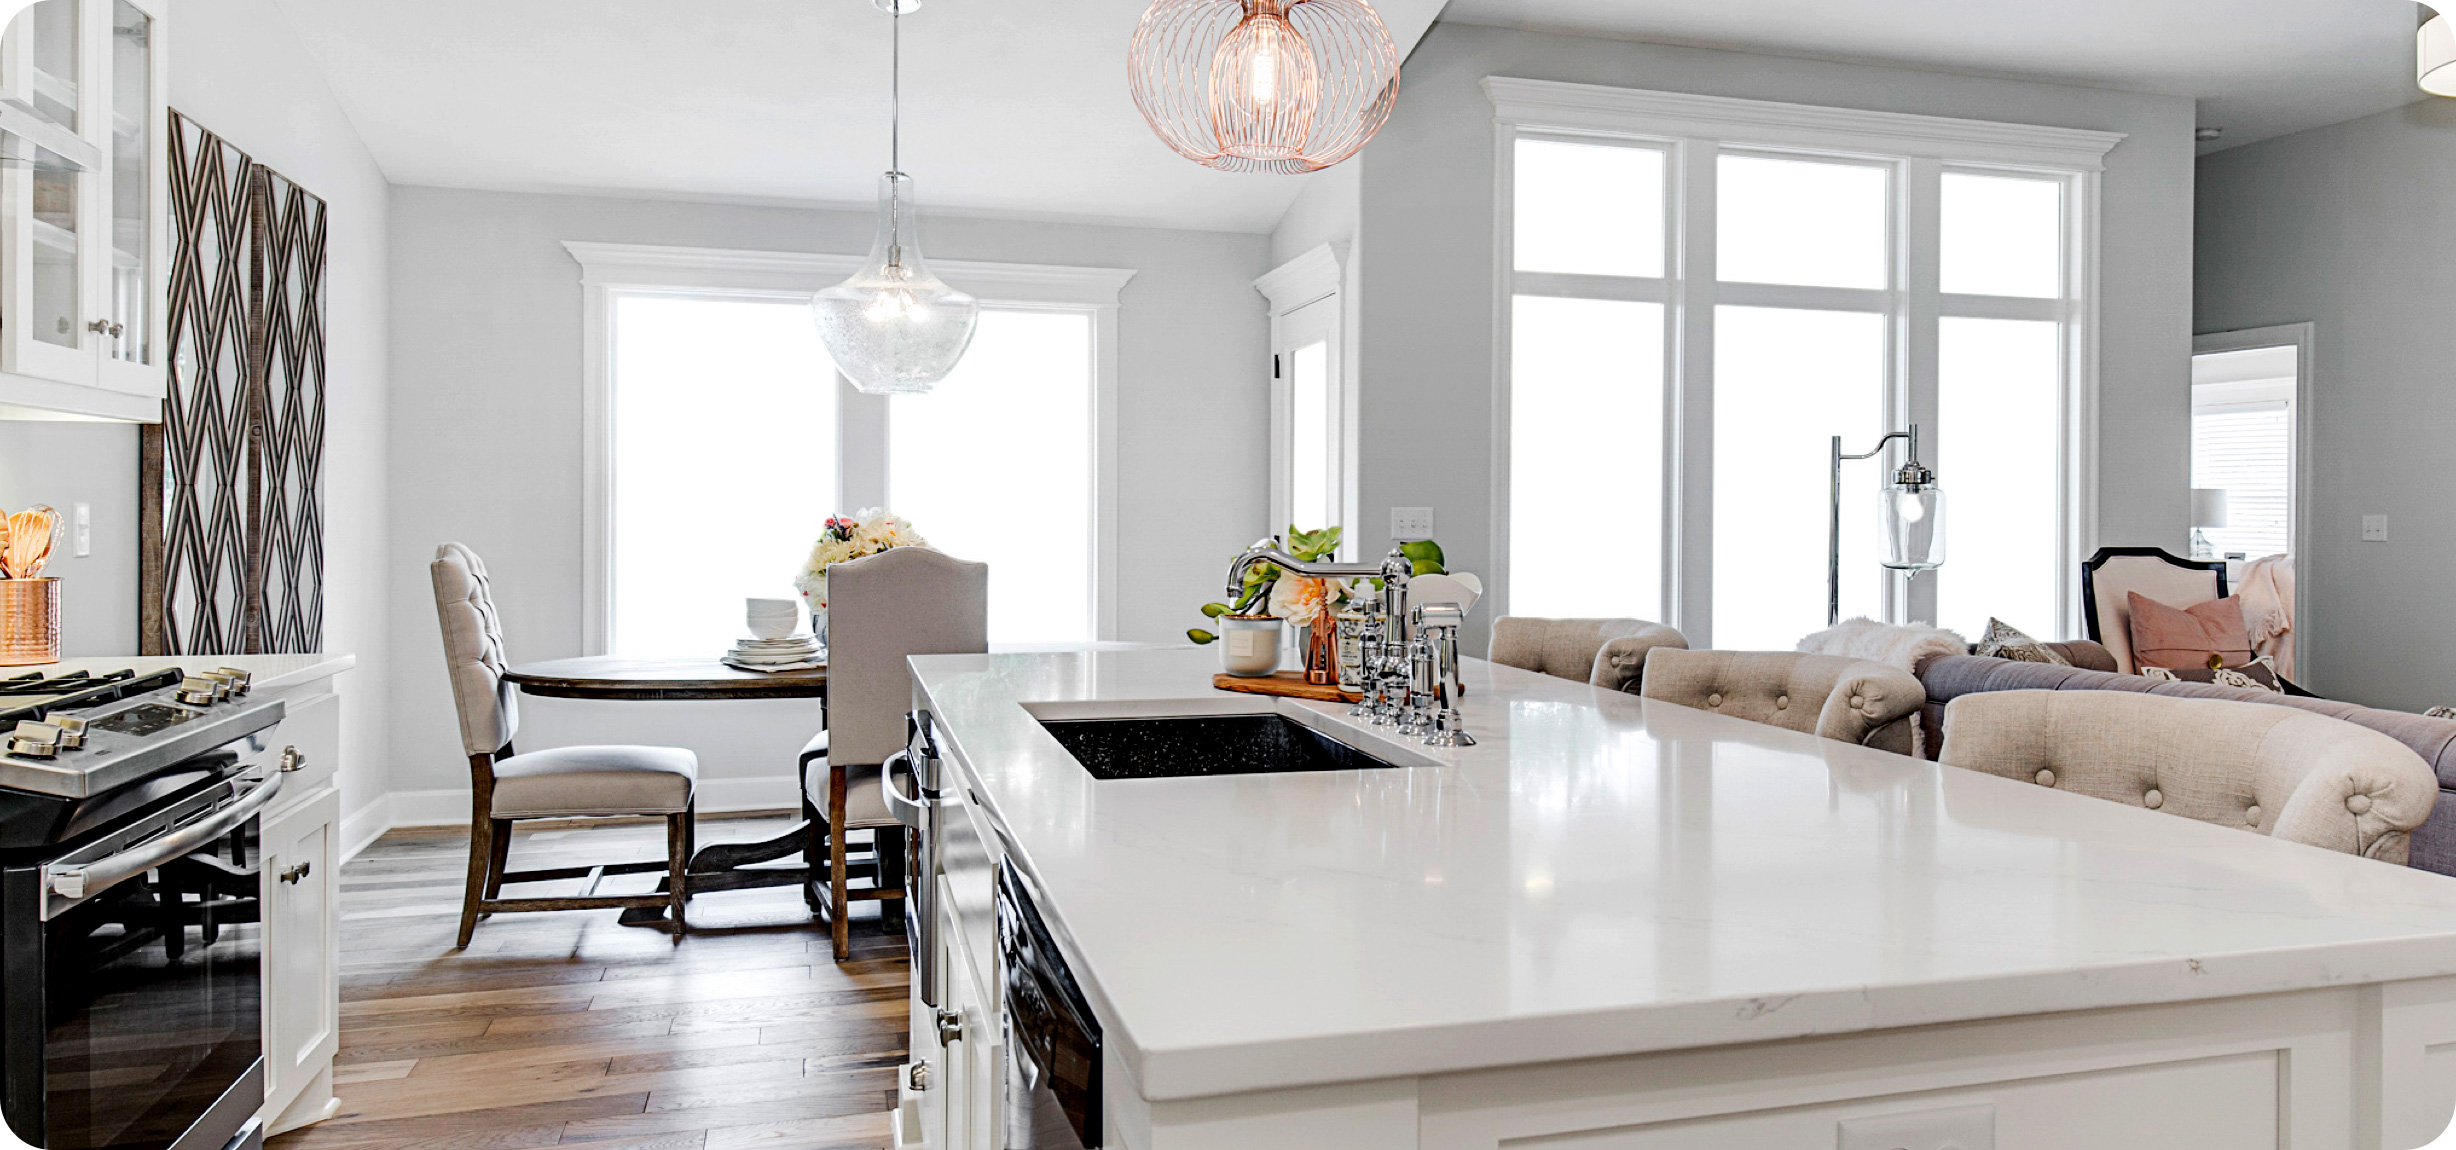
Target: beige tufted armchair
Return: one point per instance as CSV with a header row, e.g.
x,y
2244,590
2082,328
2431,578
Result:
x,y
2271,770
555,783
1852,700
1605,652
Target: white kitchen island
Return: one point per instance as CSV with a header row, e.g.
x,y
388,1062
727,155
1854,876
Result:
x,y
1620,923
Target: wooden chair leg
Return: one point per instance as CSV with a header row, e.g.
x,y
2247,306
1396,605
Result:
x,y
500,858
481,855
839,917
677,865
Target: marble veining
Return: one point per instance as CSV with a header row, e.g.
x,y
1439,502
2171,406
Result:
x,y
1604,874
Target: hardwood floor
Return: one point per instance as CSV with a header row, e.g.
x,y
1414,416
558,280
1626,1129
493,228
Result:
x,y
566,1028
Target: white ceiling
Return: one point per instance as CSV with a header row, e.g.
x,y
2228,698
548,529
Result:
x,y
2260,68
1019,107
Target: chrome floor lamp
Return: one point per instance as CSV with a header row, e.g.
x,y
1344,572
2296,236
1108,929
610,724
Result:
x,y
1913,510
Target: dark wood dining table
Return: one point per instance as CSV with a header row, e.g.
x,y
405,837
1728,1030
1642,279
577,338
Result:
x,y
718,866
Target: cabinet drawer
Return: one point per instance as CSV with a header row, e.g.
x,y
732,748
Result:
x,y
311,721
2224,1103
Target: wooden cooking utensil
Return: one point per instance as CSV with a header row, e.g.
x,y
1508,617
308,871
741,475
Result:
x,y
29,542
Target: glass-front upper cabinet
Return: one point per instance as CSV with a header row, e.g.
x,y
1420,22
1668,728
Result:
x,y
84,221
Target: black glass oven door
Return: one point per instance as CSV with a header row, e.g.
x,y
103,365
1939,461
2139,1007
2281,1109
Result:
x,y
152,999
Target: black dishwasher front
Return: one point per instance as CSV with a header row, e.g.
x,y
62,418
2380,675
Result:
x,y
1052,1039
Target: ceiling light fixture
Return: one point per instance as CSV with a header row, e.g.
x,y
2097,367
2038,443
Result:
x,y
1281,86
893,326
2434,56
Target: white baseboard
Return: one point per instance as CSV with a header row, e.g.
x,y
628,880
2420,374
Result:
x,y
360,828
450,805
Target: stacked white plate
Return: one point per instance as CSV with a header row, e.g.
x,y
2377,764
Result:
x,y
799,653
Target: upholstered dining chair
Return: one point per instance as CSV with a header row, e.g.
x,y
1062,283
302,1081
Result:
x,y
2170,579
880,609
1604,652
556,783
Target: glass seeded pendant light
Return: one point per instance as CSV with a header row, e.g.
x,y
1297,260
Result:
x,y
893,326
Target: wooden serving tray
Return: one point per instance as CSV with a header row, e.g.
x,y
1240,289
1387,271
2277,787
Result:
x,y
1290,684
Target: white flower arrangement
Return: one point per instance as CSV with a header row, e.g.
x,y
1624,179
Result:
x,y
868,532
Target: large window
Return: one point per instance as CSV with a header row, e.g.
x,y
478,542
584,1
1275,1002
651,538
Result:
x,y
721,438
1701,294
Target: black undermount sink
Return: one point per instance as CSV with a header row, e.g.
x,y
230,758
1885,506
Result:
x,y
1191,745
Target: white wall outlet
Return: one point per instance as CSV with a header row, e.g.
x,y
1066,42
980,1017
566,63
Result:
x,y
1957,1128
2374,528
1411,523
81,530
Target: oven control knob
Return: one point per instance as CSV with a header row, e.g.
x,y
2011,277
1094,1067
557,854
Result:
x,y
34,740
198,691
240,680
72,731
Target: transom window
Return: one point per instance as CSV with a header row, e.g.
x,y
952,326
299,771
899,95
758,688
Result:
x,y
1699,294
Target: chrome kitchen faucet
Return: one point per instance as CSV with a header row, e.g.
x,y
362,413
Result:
x,y
1410,677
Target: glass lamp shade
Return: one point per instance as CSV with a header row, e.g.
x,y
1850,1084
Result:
x,y
892,326
1914,526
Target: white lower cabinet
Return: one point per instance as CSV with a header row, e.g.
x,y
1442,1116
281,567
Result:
x,y
302,871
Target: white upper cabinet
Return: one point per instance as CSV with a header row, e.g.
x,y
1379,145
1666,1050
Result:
x,y
84,219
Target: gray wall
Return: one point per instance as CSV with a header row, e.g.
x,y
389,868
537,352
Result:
x,y
487,449
2349,227
238,68
1427,251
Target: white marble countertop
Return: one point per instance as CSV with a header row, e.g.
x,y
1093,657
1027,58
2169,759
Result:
x,y
272,672
1603,874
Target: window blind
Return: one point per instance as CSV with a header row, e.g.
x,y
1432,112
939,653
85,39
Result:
x,y
2247,449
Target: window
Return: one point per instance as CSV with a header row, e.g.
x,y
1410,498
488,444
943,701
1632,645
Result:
x,y
721,439
1312,484
2243,444
723,459
1701,294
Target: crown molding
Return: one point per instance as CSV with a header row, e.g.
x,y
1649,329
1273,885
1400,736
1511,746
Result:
x,y
611,265
1547,105
1304,279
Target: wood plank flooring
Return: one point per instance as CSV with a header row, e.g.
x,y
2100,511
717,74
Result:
x,y
564,1028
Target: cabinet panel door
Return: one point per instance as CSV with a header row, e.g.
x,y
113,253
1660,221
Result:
x,y
302,988
128,285
51,55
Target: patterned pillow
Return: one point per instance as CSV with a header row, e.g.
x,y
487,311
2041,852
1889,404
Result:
x,y
2004,641
2440,713
2258,675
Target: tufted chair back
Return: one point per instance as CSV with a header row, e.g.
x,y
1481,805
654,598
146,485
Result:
x,y
1830,696
2271,770
473,651
880,609
1605,652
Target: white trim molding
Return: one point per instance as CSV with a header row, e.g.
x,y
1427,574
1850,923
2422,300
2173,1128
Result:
x,y
1303,279
611,269
1560,107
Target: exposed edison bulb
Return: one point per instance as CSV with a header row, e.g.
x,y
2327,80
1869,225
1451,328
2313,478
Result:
x,y
1266,71
1265,85
1909,506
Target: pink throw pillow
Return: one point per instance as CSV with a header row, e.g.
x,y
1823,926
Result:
x,y
2164,636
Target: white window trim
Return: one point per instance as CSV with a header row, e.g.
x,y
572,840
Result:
x,y
1308,279
1693,130
610,269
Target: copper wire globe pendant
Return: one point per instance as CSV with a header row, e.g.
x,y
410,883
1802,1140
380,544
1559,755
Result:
x,y
1282,86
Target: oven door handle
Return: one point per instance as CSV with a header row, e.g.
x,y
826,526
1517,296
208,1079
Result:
x,y
906,808
85,880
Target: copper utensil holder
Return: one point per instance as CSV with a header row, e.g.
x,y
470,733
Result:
x,y
29,621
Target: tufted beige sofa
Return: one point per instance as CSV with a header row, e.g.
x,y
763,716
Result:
x,y
1829,696
2271,770
1605,652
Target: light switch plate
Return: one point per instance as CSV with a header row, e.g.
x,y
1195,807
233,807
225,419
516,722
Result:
x,y
1955,1128
1411,523
2374,528
81,530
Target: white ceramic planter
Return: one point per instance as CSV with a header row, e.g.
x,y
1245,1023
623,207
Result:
x,y
1249,645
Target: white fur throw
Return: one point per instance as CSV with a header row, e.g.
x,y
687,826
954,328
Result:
x,y
1899,646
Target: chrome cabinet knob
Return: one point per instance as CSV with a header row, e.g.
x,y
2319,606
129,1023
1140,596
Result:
x,y
99,327
293,874
950,1027
291,760
920,1076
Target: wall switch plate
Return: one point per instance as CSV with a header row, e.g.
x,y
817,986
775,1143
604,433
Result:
x,y
81,530
1411,523
2374,528
1956,1128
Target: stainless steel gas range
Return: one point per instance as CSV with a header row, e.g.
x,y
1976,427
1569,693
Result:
x,y
131,976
